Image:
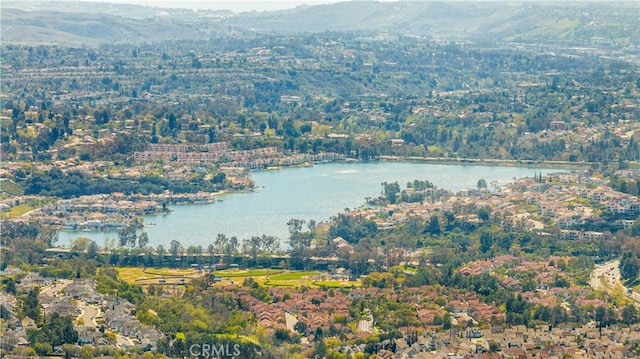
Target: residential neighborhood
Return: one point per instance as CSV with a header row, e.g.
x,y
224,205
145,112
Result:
x,y
474,328
110,323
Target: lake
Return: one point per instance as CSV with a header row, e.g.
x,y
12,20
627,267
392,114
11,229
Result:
x,y
317,192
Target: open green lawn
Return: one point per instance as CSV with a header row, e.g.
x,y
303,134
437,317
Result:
x,y
293,276
337,284
149,276
246,273
130,274
17,211
171,272
11,188
25,207
267,277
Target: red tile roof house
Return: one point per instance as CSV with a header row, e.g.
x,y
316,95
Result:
x,y
517,353
485,311
459,307
315,320
427,315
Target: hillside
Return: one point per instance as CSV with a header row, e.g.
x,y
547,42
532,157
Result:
x,y
576,23
73,29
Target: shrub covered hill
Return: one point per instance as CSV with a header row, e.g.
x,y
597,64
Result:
x,y
533,22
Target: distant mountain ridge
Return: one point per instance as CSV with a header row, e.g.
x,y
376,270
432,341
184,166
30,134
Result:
x,y
81,23
47,27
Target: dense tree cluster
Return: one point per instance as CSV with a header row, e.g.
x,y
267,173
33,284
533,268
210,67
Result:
x,y
57,330
441,100
202,317
56,183
630,266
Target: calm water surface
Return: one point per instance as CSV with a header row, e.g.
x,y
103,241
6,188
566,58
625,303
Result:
x,y
317,192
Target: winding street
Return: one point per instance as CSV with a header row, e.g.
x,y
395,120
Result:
x,y
54,290
88,315
606,277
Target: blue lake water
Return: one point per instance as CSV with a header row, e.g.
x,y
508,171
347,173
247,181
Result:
x,y
317,192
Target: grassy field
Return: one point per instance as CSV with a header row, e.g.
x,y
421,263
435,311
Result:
x,y
172,272
293,276
23,208
246,273
11,188
337,284
17,211
154,276
270,278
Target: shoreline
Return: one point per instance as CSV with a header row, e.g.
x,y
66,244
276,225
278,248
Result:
x,y
107,224
488,162
462,161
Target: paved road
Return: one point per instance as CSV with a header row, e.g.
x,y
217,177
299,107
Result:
x,y
88,315
54,289
606,277
290,321
88,312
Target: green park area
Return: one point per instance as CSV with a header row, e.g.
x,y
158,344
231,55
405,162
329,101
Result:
x,y
146,276
267,277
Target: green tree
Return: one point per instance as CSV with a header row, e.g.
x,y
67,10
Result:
x,y
600,317
446,321
10,286
127,236
391,191
352,228
226,246
175,248
301,327
282,335
42,348
160,250
143,240
56,331
81,244
231,248
297,239
486,241
320,349
31,305
92,250
260,244
4,313
220,243
299,242
483,214
629,266
434,225
630,315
